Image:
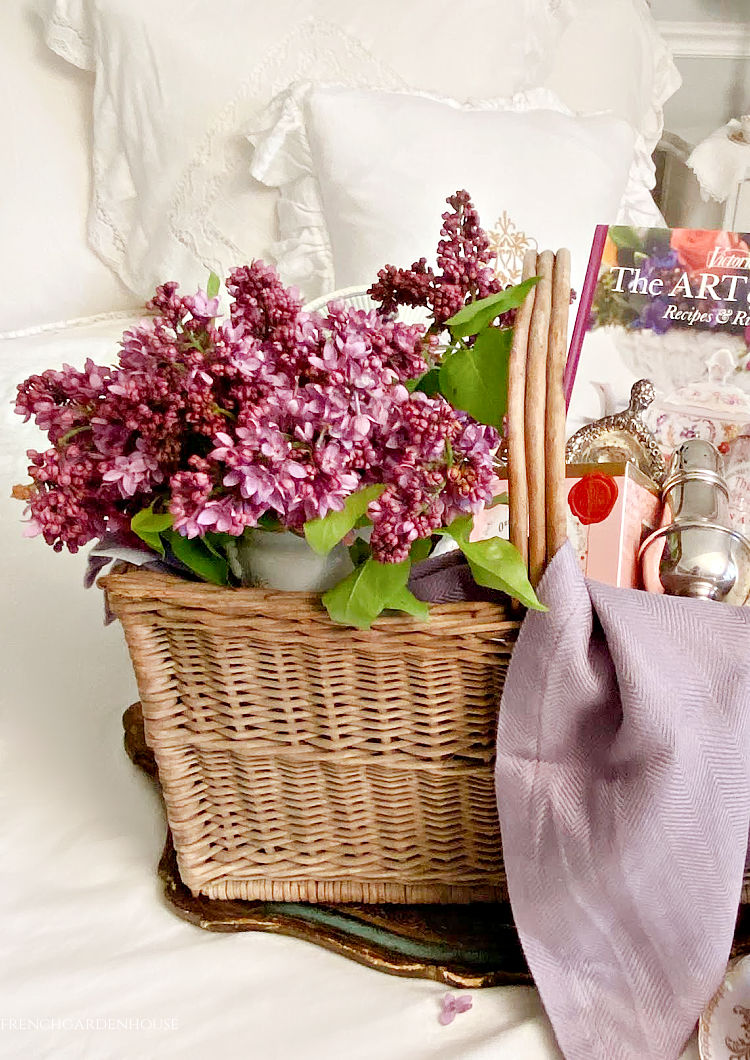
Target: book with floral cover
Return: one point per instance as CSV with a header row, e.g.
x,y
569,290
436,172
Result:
x,y
673,306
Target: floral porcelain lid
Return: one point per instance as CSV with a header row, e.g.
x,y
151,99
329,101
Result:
x,y
714,397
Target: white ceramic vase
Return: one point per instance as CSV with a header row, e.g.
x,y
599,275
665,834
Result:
x,y
283,560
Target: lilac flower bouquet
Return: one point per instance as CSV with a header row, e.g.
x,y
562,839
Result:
x,y
273,417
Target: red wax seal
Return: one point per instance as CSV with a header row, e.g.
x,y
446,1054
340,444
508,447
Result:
x,y
593,497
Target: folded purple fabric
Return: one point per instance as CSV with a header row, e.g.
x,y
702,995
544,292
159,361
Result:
x,y
623,781
447,579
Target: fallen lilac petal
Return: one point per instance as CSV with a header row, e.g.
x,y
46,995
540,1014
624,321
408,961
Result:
x,y
451,1005
447,1010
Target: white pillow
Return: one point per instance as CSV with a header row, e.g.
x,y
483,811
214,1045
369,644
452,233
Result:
x,y
47,270
610,56
176,82
364,175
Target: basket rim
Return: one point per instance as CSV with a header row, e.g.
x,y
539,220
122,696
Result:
x,y
133,585
343,294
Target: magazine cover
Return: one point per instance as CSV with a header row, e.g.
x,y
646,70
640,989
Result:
x,y
672,306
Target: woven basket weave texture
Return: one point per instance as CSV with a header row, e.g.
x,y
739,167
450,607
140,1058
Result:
x,y
305,761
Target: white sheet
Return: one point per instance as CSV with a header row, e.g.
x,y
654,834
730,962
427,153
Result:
x,y
86,935
47,270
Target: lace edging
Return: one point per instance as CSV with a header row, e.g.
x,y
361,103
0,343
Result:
x,y
67,38
282,159
709,181
313,52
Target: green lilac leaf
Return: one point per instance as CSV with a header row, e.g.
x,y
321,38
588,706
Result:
x,y
476,316
323,534
198,558
420,549
476,379
429,383
148,525
153,541
495,563
216,543
405,600
368,590
212,287
359,551
151,521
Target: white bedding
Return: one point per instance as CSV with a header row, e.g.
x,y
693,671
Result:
x,y
86,934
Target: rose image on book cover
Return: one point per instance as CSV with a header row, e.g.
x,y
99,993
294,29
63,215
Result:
x,y
673,306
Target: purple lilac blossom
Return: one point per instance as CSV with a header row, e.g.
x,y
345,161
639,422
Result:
x,y
451,1005
274,410
464,270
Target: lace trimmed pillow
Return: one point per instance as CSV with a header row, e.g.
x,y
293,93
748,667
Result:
x,y
363,176
170,196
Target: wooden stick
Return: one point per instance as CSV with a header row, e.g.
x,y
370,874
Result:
x,y
557,532
518,498
535,415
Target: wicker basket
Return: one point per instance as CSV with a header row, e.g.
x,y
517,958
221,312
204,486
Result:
x,y
304,761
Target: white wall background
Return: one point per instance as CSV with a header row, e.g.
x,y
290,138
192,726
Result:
x,y
711,43
700,10
714,89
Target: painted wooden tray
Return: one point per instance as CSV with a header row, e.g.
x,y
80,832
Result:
x,y
459,945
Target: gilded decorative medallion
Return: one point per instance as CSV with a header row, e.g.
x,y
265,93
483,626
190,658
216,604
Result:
x,y
509,245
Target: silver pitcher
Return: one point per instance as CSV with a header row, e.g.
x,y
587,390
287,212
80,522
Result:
x,y
702,556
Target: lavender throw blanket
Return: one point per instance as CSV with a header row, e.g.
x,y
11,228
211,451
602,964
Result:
x,y
623,784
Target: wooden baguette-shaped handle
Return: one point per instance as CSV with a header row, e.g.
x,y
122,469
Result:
x,y
555,433
535,415
518,498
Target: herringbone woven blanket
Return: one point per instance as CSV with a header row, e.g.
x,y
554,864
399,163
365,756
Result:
x,y
623,778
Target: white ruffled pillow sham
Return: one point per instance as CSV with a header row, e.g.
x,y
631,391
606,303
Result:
x,y
176,83
610,56
363,178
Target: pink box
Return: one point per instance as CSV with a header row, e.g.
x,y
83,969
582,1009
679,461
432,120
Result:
x,y
612,508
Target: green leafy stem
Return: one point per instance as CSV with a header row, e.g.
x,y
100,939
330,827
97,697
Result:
x,y
375,587
474,377
204,556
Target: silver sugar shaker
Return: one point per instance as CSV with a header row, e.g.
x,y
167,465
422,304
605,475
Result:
x,y
701,554
694,487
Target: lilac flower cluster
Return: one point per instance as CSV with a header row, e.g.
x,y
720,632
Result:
x,y
271,411
464,272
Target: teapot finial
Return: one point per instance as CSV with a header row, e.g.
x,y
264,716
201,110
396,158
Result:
x,y
642,394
